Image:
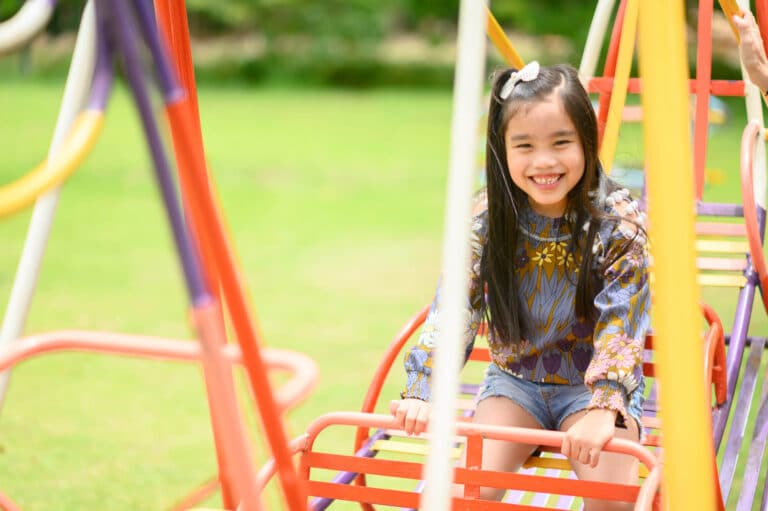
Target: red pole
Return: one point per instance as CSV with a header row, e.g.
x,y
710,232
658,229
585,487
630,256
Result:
x,y
609,70
703,79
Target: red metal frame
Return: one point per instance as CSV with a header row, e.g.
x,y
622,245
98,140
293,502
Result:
x,y
303,370
748,141
716,87
473,476
713,344
218,255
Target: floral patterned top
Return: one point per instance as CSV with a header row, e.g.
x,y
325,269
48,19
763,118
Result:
x,y
607,354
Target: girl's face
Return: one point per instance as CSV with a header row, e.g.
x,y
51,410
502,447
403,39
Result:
x,y
544,154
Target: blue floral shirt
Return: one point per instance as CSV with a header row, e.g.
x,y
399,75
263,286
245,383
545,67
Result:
x,y
606,354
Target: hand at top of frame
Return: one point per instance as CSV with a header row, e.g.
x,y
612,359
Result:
x,y
752,50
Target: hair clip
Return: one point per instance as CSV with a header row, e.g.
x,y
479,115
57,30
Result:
x,y
528,73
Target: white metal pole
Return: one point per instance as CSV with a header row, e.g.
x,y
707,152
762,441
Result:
x,y
468,85
595,38
75,96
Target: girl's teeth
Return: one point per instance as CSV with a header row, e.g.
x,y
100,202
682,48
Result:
x,y
546,180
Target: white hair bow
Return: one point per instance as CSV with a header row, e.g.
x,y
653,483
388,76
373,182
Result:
x,y
528,73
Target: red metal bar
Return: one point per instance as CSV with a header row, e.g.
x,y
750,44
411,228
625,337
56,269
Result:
x,y
180,116
227,421
748,141
173,26
720,229
716,87
703,78
609,70
474,461
522,435
7,504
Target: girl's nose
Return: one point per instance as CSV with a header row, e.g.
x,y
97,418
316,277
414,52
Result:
x,y
544,160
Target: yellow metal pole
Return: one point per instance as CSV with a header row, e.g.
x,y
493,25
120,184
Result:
x,y
685,415
731,8
620,83
501,42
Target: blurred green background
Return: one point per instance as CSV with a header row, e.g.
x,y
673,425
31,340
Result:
x,y
326,127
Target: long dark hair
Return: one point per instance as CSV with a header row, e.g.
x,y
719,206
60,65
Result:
x,y
505,313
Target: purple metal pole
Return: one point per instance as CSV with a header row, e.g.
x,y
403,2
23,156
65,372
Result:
x,y
366,451
103,75
123,25
734,357
754,461
741,414
172,90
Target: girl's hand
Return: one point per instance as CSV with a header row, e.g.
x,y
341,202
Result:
x,y
587,437
752,50
412,415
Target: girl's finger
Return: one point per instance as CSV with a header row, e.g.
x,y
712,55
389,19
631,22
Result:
x,y
565,448
410,419
594,455
421,420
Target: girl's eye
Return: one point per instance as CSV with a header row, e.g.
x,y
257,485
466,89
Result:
x,y
523,146
562,142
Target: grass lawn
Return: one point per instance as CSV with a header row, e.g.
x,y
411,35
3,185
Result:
x,y
335,202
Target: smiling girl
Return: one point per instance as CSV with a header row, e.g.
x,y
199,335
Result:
x,y
559,270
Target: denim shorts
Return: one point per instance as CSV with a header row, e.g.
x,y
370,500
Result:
x,y
549,403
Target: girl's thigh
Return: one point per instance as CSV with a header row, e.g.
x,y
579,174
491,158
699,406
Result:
x,y
612,467
498,454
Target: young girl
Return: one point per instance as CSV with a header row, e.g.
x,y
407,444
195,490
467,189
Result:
x,y
559,270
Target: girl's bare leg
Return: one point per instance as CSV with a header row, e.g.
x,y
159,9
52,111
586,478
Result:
x,y
497,454
612,468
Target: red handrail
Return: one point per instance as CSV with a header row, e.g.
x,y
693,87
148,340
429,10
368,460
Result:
x,y
754,237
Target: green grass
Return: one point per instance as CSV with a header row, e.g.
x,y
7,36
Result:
x,y
335,202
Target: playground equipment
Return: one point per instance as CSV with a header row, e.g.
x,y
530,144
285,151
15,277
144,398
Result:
x,y
204,252
729,254
689,368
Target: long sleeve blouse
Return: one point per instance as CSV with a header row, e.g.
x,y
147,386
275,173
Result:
x,y
606,354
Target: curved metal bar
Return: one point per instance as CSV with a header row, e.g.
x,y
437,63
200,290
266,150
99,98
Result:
x,y
393,350
754,235
50,174
25,24
648,491
304,371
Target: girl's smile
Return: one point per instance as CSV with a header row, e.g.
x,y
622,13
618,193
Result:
x,y
545,156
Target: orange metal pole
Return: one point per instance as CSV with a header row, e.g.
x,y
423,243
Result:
x,y
703,78
761,13
185,126
609,70
168,22
180,116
